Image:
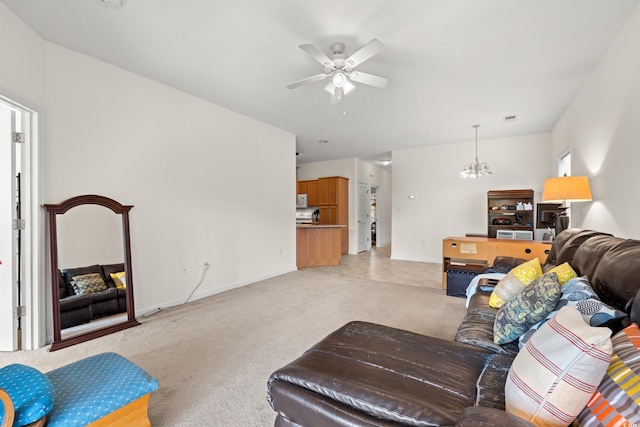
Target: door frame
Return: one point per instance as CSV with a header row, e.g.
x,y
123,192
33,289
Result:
x,y
33,290
364,227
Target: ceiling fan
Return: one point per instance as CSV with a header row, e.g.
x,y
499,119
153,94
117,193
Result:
x,y
340,69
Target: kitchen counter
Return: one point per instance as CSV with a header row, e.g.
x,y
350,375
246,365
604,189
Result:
x,y
318,245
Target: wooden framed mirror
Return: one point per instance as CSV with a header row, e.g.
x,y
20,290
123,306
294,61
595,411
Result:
x,y
91,276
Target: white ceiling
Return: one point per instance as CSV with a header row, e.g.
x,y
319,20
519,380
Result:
x,y
451,63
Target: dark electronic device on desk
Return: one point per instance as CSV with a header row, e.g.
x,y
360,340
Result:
x,y
551,216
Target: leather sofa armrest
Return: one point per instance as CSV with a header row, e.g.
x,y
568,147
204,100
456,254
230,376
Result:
x,y
487,285
478,416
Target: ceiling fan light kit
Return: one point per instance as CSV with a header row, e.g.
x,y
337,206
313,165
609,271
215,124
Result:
x,y
339,69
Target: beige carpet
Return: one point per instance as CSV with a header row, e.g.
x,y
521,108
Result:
x,y
213,356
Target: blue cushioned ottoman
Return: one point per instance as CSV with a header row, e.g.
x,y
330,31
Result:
x,y
92,388
30,391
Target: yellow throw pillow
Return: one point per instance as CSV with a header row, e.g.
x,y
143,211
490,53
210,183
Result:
x,y
528,271
506,289
119,279
514,282
564,272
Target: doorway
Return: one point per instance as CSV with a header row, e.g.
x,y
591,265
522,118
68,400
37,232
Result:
x,y
21,314
374,223
364,227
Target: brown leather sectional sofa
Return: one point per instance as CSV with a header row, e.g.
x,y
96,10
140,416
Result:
x,y
367,374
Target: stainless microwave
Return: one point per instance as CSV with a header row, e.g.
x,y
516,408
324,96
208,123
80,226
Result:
x,y
302,201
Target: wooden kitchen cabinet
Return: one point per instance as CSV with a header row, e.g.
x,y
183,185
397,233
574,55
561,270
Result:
x,y
310,188
333,198
318,245
334,189
323,192
303,187
328,215
312,193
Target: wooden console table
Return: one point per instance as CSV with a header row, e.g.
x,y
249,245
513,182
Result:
x,y
475,253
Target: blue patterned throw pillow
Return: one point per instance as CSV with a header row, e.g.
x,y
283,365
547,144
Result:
x,y
578,293
526,309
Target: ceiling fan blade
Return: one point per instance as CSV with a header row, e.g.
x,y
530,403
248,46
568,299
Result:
x,y
317,55
369,79
308,80
365,52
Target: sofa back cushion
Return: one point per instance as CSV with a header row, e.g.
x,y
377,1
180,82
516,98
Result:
x,y
588,255
63,286
558,243
617,276
567,245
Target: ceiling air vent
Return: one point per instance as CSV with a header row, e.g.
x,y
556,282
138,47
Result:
x,y
510,118
113,4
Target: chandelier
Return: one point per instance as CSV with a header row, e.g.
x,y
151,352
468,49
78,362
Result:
x,y
476,169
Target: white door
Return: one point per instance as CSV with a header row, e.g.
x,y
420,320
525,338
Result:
x,y
8,238
364,228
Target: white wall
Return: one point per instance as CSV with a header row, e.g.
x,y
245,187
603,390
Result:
x,y
445,204
602,127
208,184
22,59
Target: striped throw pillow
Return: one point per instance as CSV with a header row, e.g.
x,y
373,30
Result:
x,y
617,401
554,376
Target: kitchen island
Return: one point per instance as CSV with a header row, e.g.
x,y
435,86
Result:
x,y
318,245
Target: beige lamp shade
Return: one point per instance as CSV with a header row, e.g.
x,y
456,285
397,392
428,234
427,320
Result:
x,y
567,189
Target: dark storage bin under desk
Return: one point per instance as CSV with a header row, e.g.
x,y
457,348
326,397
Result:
x,y
459,275
458,281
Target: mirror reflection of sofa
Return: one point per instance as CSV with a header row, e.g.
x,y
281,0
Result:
x,y
85,298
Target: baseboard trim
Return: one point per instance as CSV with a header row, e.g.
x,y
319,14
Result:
x,y
148,311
